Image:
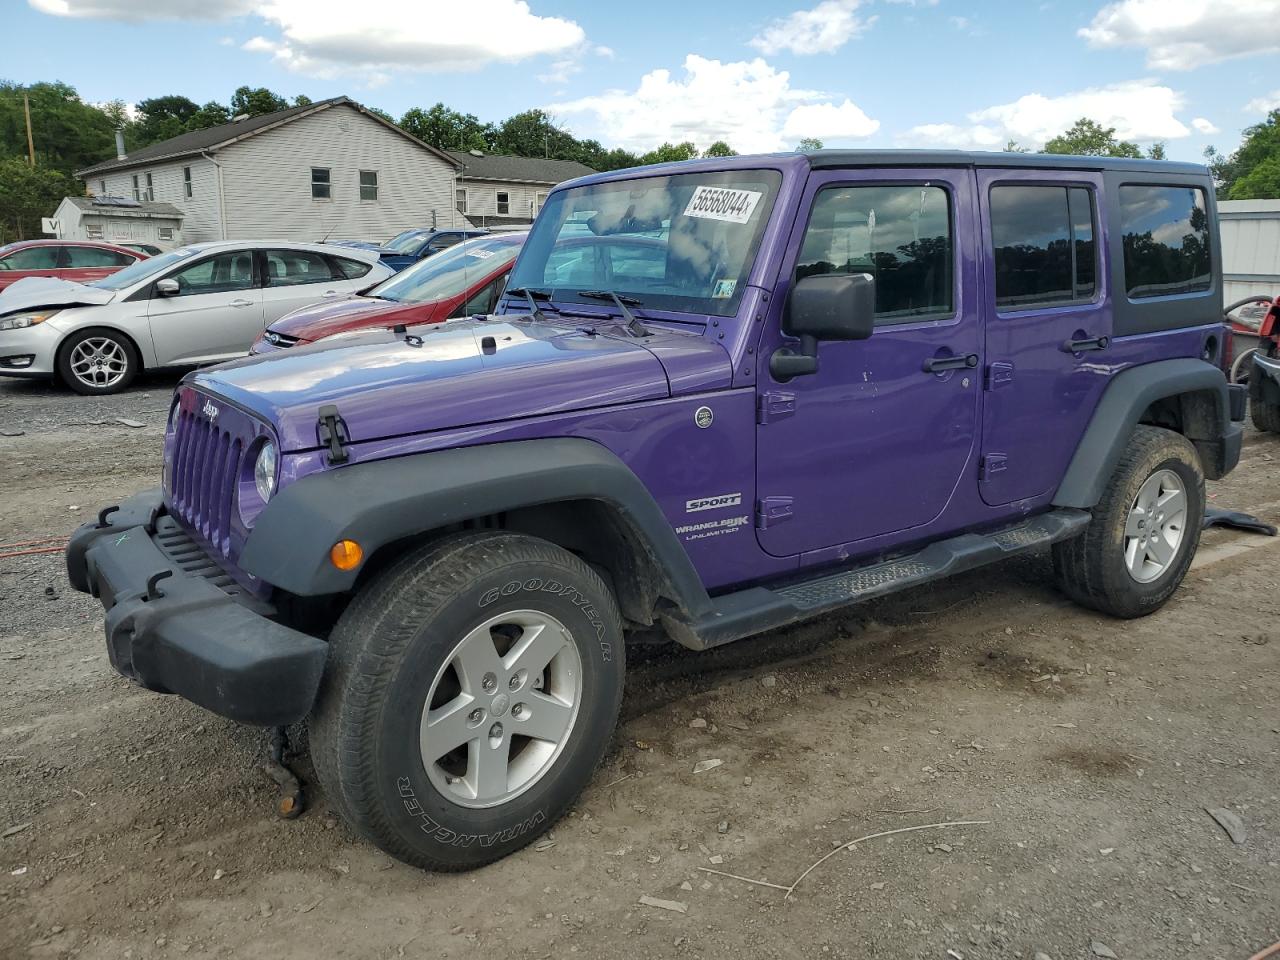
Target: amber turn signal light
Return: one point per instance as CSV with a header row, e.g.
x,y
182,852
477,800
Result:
x,y
346,555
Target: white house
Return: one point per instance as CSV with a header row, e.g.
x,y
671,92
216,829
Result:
x,y
119,220
494,190
327,169
1250,248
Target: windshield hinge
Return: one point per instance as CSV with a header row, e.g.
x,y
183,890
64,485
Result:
x,y
333,433
775,405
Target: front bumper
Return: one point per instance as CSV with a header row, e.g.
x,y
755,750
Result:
x,y
29,352
177,624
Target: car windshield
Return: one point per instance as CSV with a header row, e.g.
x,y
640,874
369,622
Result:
x,y
142,269
449,273
406,242
684,243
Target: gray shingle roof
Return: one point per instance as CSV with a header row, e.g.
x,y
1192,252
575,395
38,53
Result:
x,y
197,141
144,208
494,166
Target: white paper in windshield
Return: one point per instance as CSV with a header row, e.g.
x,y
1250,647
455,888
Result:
x,y
480,254
722,203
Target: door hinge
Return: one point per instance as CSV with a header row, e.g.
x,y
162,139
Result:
x,y
332,431
775,405
771,511
992,463
999,374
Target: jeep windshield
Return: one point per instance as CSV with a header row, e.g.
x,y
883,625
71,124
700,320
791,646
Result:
x,y
683,243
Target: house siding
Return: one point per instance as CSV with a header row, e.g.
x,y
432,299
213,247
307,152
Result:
x,y
267,179
202,212
1250,248
482,198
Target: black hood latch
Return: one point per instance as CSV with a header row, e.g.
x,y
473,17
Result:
x,y
333,433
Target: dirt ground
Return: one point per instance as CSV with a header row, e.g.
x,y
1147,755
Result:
x,y
135,825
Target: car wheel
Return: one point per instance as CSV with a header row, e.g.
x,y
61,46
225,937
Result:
x,y
1133,554
97,361
471,690
1265,416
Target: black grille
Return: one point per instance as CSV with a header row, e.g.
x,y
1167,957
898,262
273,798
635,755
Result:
x,y
191,557
206,465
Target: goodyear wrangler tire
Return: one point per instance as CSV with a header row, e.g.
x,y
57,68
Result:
x,y
471,691
1145,529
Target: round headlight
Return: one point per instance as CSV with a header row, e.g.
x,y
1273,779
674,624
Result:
x,y
264,471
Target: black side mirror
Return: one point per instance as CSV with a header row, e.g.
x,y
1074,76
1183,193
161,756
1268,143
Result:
x,y
836,306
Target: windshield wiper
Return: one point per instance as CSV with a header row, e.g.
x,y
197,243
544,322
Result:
x,y
530,294
634,326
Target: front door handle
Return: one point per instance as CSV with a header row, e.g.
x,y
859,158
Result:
x,y
939,364
1088,343
242,303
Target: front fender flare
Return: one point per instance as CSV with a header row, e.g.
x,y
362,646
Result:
x,y
379,502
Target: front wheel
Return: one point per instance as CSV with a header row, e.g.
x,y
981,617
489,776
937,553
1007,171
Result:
x,y
471,690
97,361
1134,553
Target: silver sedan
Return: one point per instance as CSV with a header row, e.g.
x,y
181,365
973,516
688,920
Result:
x,y
200,304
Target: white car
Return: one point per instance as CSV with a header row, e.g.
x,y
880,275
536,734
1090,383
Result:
x,y
200,304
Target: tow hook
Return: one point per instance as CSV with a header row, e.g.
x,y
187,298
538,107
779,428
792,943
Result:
x,y
289,803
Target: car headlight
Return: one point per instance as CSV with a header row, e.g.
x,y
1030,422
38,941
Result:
x,y
264,471
20,321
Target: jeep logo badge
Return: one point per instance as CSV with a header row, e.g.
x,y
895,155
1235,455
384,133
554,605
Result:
x,y
704,417
209,410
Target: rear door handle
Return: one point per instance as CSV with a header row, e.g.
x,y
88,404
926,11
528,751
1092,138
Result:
x,y
939,364
242,303
1089,343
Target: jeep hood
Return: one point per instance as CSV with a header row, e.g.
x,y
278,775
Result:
x,y
461,373
335,316
29,293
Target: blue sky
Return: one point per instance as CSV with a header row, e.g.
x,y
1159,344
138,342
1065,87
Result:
x,y
873,73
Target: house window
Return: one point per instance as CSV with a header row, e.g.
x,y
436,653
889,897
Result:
x,y
504,203
538,200
368,184
151,193
460,199
166,233
1043,243
186,182
320,183
137,191
93,231
102,188
1166,241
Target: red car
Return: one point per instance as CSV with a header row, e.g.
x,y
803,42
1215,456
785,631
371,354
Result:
x,y
463,280
77,260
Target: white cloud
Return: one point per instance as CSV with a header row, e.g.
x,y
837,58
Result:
x,y
325,38
829,121
1185,34
748,104
1139,110
1264,104
1204,126
824,29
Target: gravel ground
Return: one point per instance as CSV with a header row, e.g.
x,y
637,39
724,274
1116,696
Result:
x,y
134,825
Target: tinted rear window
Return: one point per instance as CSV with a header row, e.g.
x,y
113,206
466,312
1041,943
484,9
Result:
x,y
1166,240
1044,247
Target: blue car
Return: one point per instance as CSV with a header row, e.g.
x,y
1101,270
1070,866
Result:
x,y
407,248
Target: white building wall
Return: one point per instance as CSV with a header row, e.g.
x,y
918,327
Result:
x,y
1250,248
201,222
482,198
74,224
267,179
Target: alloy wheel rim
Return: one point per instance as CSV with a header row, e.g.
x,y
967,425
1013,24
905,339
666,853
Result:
x,y
99,362
501,708
1155,526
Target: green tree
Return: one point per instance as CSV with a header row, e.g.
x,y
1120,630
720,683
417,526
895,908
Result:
x,y
719,149
1260,183
381,114
1013,146
670,152
1089,139
1261,146
27,194
160,118
448,129
1157,151
210,115
808,144
534,134
69,134
255,101
302,100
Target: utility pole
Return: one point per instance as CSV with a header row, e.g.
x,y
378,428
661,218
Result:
x,y
31,147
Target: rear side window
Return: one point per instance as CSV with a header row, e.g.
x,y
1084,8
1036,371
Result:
x,y
96,257
1043,245
1166,240
901,235
351,269
286,268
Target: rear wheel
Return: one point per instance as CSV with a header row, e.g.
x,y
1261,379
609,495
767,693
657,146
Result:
x,y
472,688
1265,416
98,361
1145,529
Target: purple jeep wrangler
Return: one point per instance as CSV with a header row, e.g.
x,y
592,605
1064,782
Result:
x,y
771,386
